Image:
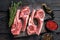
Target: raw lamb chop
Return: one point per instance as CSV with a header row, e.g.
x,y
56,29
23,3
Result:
x,y
25,12
40,17
17,25
31,26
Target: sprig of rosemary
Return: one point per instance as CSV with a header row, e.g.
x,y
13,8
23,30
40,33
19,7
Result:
x,y
12,11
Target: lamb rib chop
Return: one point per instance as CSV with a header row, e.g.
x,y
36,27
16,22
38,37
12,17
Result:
x,y
31,26
17,24
40,17
25,12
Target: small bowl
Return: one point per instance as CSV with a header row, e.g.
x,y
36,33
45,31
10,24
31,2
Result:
x,y
47,36
51,25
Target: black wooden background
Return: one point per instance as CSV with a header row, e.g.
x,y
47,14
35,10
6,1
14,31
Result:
x,y
5,30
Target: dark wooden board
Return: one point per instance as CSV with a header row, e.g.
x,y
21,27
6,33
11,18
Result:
x,y
4,29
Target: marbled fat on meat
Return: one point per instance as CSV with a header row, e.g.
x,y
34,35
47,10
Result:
x,y
25,12
31,26
40,17
17,24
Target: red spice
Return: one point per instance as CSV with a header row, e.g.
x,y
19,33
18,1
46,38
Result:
x,y
51,25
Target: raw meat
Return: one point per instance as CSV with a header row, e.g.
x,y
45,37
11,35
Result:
x,y
17,25
22,19
25,12
40,17
31,26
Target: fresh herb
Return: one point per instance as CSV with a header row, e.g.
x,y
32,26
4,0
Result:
x,y
12,11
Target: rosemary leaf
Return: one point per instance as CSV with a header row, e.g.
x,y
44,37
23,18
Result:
x,y
13,10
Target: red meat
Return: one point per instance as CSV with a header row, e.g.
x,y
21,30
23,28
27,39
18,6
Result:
x,y
40,17
25,12
17,25
31,26
21,20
